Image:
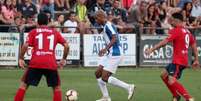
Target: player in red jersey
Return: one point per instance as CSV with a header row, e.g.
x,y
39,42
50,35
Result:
x,y
43,61
181,39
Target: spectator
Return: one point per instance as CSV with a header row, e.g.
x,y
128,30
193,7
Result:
x,y
61,5
6,15
81,17
48,13
7,11
193,22
27,9
47,5
81,10
16,26
120,24
151,19
90,3
30,23
14,3
181,3
59,22
118,12
99,5
128,3
19,1
71,24
162,11
137,14
196,16
196,10
186,12
123,27
1,4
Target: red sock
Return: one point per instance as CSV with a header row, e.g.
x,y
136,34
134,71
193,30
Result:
x,y
172,90
57,95
181,90
19,95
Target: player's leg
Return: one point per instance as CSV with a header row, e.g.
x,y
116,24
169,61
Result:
x,y
172,79
107,77
164,77
98,72
57,93
102,85
53,80
21,92
111,69
30,77
179,88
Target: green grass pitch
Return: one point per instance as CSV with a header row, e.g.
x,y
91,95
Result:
x,y
148,82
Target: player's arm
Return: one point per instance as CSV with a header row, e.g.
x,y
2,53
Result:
x,y
157,46
113,40
29,42
64,43
66,50
172,36
22,52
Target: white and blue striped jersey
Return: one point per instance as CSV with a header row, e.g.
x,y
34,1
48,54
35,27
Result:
x,y
109,30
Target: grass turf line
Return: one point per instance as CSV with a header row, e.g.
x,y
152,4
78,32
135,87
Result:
x,y
147,80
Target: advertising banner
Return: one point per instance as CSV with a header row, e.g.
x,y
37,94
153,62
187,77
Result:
x,y
159,57
9,48
162,56
95,42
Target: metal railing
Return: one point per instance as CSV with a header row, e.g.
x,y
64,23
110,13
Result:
x,y
196,31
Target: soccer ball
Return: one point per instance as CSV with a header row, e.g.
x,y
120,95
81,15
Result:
x,y
71,95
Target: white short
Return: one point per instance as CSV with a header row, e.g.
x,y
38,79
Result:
x,y
110,63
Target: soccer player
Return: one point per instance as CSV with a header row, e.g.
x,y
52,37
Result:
x,y
181,39
110,56
43,62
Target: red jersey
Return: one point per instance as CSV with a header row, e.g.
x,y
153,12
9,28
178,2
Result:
x,y
44,40
181,39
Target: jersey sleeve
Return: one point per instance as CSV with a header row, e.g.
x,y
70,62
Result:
x,y
112,29
192,39
173,34
60,39
30,38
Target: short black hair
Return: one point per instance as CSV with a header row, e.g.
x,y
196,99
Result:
x,y
71,12
42,19
178,16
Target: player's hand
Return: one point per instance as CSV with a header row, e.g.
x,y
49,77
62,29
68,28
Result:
x,y
195,64
102,52
148,51
62,63
22,63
